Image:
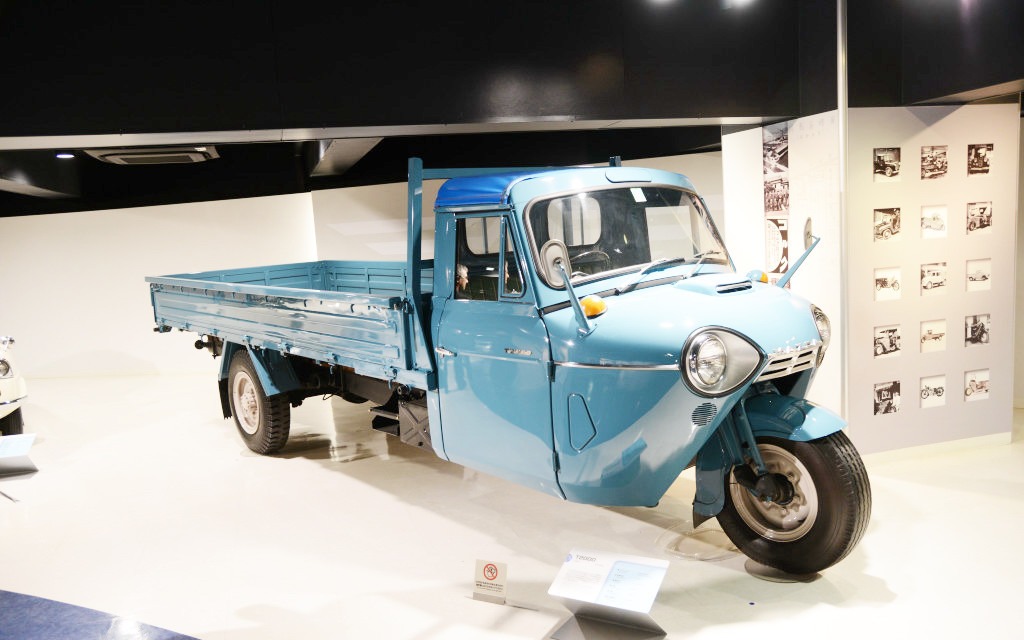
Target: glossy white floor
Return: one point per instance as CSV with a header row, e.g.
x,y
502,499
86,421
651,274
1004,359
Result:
x,y
147,506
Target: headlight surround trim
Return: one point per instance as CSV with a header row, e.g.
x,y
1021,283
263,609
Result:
x,y
824,327
740,361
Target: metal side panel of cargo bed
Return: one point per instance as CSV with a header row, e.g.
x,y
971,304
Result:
x,y
351,314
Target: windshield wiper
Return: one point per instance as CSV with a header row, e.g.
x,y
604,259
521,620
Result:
x,y
654,266
700,262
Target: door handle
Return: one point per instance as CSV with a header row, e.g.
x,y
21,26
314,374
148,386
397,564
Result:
x,y
444,353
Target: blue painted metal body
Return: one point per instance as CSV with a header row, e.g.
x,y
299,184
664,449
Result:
x,y
514,388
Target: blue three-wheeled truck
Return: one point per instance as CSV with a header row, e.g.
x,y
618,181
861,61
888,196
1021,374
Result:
x,y
580,331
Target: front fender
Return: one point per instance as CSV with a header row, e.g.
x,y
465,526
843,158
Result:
x,y
769,415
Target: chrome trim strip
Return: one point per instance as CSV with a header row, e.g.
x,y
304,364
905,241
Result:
x,y
13,401
623,367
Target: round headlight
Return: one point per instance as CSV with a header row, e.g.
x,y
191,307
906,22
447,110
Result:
x,y
707,360
5,369
715,361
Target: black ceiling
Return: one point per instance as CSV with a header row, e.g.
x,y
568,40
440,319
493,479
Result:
x,y
463,83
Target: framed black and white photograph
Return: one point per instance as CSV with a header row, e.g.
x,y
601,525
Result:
x,y
933,391
979,159
933,162
933,221
933,278
933,335
887,341
887,284
977,329
979,217
976,385
887,224
887,397
979,274
887,164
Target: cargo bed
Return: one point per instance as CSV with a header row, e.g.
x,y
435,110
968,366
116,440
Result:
x,y
348,313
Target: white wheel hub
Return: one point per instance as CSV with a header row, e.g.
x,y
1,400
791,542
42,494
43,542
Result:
x,y
245,402
773,521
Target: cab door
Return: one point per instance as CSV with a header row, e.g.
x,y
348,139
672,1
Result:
x,y
493,358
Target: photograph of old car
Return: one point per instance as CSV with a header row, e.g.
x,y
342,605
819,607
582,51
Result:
x,y
979,274
979,159
887,284
977,329
887,341
933,162
933,277
933,389
887,223
933,221
886,163
933,335
887,397
976,384
979,216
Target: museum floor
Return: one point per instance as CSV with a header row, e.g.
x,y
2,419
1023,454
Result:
x,y
147,507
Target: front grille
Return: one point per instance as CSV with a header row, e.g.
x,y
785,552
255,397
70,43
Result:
x,y
783,363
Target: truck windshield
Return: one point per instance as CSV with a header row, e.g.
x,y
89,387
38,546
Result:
x,y
612,231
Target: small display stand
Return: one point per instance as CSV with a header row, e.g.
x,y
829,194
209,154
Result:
x,y
610,596
14,458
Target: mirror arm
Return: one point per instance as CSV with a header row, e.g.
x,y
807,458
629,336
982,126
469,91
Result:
x,y
585,328
796,265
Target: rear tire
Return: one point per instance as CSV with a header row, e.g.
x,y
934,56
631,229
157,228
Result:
x,y
12,424
824,521
262,422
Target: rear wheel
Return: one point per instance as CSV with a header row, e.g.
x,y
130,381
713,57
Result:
x,y
823,521
12,424
262,422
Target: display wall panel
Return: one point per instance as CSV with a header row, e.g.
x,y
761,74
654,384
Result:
x,y
929,226
931,222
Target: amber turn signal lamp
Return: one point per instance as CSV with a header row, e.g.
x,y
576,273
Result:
x,y
593,306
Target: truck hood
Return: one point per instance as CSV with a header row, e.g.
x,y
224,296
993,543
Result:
x,y
648,327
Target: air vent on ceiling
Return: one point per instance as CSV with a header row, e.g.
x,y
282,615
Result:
x,y
155,155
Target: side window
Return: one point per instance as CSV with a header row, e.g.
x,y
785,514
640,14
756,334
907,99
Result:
x,y
486,266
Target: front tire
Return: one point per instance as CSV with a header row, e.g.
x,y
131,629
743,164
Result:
x,y
12,424
262,422
821,524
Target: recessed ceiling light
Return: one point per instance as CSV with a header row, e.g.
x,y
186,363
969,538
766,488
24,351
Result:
x,y
64,155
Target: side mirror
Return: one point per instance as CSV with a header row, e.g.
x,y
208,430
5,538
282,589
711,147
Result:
x,y
808,235
552,254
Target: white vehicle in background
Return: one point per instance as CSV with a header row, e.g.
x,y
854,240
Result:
x,y
12,391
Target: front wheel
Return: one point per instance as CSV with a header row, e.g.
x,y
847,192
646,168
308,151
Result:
x,y
12,424
262,422
824,520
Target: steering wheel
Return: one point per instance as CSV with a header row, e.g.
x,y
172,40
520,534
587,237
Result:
x,y
605,258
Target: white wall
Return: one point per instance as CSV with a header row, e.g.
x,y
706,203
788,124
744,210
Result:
x,y
72,285
1018,370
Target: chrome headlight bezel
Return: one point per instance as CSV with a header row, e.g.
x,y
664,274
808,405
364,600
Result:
x,y
6,370
716,361
824,327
